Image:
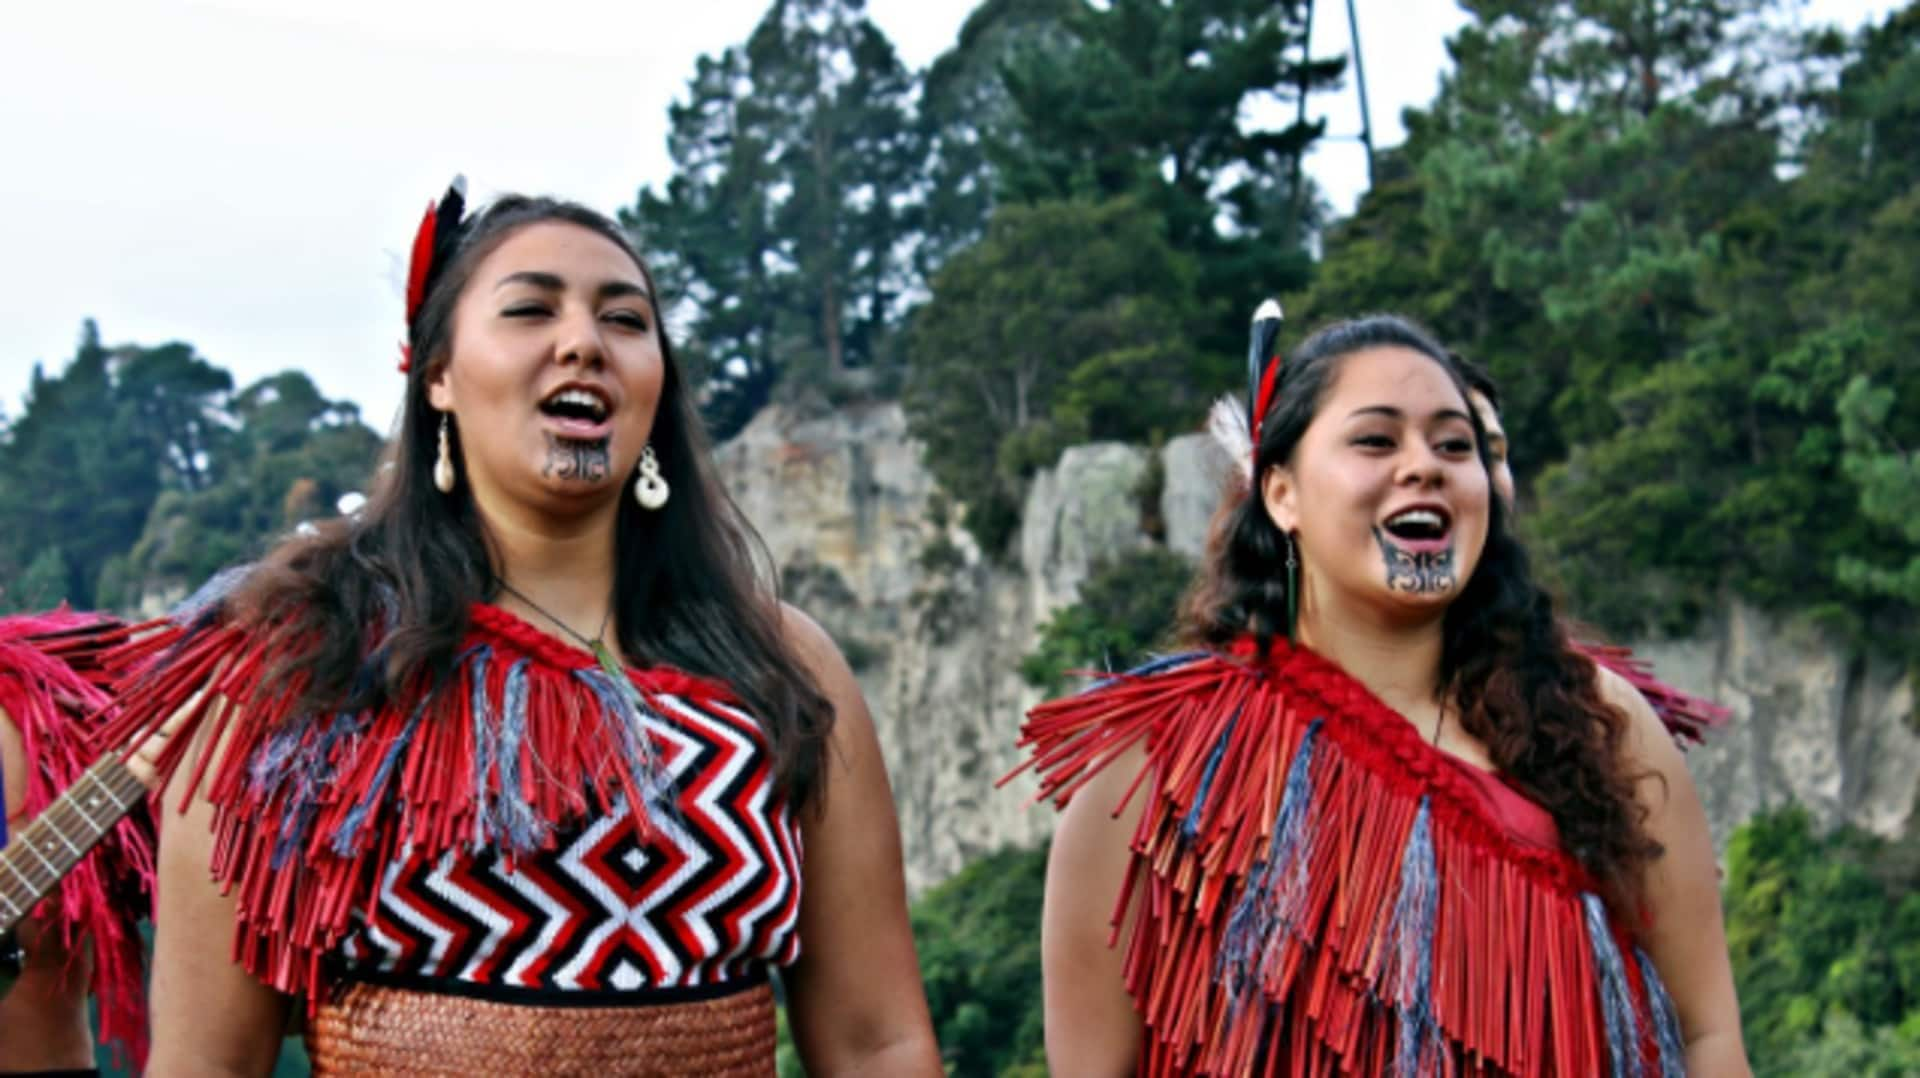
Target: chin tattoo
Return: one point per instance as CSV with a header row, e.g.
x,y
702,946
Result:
x,y
572,458
1420,574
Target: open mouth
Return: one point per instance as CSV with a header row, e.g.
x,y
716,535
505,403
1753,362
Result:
x,y
1421,527
584,405
578,411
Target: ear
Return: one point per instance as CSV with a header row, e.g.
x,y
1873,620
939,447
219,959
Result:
x,y
1281,498
440,389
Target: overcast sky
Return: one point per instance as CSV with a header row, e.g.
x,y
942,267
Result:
x,y
245,175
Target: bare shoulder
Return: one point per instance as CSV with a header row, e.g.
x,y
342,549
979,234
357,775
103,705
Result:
x,y
818,653
1647,745
1097,824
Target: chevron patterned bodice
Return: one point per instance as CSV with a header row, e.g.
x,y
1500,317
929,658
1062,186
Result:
x,y
706,895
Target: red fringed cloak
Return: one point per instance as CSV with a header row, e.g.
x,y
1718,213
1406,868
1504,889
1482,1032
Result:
x,y
525,735
54,688
1319,891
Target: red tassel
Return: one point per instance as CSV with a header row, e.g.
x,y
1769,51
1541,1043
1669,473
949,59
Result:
x,y
291,916
1512,988
53,683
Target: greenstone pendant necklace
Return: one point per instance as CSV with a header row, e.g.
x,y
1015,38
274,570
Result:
x,y
596,644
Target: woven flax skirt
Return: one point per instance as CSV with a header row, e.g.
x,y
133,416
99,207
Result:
x,y
385,1029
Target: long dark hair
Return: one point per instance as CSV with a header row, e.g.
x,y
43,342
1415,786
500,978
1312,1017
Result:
x,y
1522,690
692,581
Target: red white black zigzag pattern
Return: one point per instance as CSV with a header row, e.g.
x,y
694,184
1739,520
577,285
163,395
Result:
x,y
613,904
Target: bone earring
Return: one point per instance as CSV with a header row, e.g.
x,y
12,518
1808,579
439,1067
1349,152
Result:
x,y
650,490
443,465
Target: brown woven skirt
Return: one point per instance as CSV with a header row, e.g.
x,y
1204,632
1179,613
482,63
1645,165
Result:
x,y
383,1029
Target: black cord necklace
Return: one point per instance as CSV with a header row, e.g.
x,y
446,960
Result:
x,y
597,643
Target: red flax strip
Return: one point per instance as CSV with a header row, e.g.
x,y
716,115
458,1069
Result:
x,y
54,686
1512,985
289,918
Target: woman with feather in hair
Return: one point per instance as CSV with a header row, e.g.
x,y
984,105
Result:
x,y
524,768
1382,818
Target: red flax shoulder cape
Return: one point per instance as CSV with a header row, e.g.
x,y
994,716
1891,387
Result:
x,y
1318,891
53,686
524,736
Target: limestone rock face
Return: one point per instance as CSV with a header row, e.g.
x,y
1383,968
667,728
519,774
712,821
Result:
x,y
935,630
1812,723
1083,511
1196,471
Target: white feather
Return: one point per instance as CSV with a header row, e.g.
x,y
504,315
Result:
x,y
1227,422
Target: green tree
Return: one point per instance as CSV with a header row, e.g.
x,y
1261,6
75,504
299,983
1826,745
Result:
x,y
966,112
1067,322
95,446
1889,480
290,458
43,585
1127,608
1824,933
1147,101
978,935
786,226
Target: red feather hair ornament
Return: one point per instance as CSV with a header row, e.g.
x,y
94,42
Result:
x,y
439,228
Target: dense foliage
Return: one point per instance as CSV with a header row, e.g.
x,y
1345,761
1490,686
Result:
x,y
1073,202
1126,611
1825,937
139,470
978,935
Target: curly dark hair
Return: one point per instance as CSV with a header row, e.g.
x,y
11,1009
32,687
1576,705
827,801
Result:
x,y
1522,690
692,580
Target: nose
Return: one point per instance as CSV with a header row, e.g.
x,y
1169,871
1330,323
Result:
x,y
577,339
1420,466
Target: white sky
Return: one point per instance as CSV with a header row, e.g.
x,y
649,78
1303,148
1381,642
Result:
x,y
245,176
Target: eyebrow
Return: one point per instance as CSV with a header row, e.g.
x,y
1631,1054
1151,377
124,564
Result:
x,y
1391,412
551,282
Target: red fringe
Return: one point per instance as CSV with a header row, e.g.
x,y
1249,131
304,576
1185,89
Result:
x,y
292,915
1513,984
1687,717
53,685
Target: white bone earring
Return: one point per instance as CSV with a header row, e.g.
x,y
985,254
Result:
x,y
650,490
443,465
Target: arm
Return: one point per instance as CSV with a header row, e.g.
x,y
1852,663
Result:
x,y
210,1016
1687,939
1091,1024
855,999
43,1019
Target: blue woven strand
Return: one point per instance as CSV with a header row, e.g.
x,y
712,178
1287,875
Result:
x,y
348,832
1418,1048
1269,903
209,594
1190,828
482,718
1152,666
1666,1020
623,708
514,822
1616,996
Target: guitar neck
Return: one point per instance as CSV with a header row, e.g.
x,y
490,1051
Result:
x,y
39,854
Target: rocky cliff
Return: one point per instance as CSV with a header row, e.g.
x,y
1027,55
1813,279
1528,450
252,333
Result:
x,y
865,542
